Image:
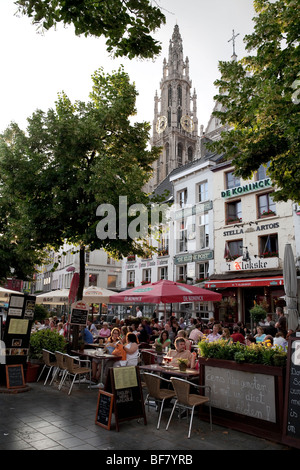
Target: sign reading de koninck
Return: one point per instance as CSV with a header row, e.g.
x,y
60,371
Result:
x,y
247,188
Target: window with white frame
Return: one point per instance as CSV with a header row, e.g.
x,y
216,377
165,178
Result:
x,y
130,278
181,272
163,273
233,212
265,205
163,244
202,311
231,181
182,197
203,191
202,271
203,241
182,240
146,276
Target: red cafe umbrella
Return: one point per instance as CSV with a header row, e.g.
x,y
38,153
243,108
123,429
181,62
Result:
x,y
165,292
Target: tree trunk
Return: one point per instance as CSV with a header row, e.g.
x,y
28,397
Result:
x,y
79,291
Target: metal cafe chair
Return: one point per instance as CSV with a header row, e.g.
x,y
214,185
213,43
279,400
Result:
x,y
75,369
48,363
188,400
153,383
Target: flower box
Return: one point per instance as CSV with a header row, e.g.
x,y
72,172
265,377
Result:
x,y
266,214
233,220
163,252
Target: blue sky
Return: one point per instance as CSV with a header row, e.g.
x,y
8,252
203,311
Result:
x,y
35,67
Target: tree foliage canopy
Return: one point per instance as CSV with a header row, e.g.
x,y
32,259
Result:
x,y
258,98
126,24
71,160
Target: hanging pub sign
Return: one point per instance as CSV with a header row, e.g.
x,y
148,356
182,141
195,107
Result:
x,y
79,313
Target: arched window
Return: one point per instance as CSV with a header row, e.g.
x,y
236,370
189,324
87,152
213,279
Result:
x,y
169,118
179,115
179,95
167,148
179,154
190,154
169,95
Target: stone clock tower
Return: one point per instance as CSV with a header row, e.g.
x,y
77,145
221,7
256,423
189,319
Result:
x,y
175,114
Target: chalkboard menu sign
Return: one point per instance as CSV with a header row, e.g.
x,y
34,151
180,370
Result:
x,y
104,409
15,376
79,313
125,385
291,435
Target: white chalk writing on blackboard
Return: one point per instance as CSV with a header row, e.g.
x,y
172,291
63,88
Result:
x,y
242,392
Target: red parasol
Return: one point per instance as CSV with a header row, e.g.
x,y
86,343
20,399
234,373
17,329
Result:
x,y
165,292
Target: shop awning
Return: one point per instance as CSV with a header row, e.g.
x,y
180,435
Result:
x,y
247,282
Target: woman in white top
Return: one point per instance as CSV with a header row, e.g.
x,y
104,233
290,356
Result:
x,y
132,349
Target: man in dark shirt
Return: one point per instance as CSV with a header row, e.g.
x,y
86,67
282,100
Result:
x,y
281,322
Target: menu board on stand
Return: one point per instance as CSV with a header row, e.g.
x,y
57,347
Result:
x,y
16,337
17,330
291,430
124,383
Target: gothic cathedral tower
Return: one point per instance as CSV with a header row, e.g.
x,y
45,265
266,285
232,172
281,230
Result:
x,y
175,114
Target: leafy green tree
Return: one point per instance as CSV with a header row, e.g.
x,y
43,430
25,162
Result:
x,y
259,99
127,24
73,159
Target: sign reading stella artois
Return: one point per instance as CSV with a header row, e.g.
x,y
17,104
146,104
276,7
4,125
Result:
x,y
254,263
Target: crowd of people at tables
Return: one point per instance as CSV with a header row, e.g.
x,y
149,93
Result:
x,y
176,338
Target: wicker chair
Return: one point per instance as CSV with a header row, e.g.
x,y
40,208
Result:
x,y
61,367
153,384
74,368
189,400
48,363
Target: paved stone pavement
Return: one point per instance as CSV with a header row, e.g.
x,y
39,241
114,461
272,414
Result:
x,y
45,418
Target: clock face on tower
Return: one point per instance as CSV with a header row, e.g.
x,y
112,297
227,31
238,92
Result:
x,y
187,123
161,124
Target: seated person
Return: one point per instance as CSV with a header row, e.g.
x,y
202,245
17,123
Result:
x,y
182,353
237,336
280,341
86,336
260,336
163,340
196,333
104,332
183,334
132,349
112,340
215,335
109,348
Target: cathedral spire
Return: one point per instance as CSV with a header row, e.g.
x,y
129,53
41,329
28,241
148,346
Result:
x,y
175,62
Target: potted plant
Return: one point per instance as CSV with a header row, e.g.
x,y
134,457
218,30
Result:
x,y
39,340
182,364
45,339
257,313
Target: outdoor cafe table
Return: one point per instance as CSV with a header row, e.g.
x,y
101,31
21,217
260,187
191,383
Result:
x,y
93,354
170,371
